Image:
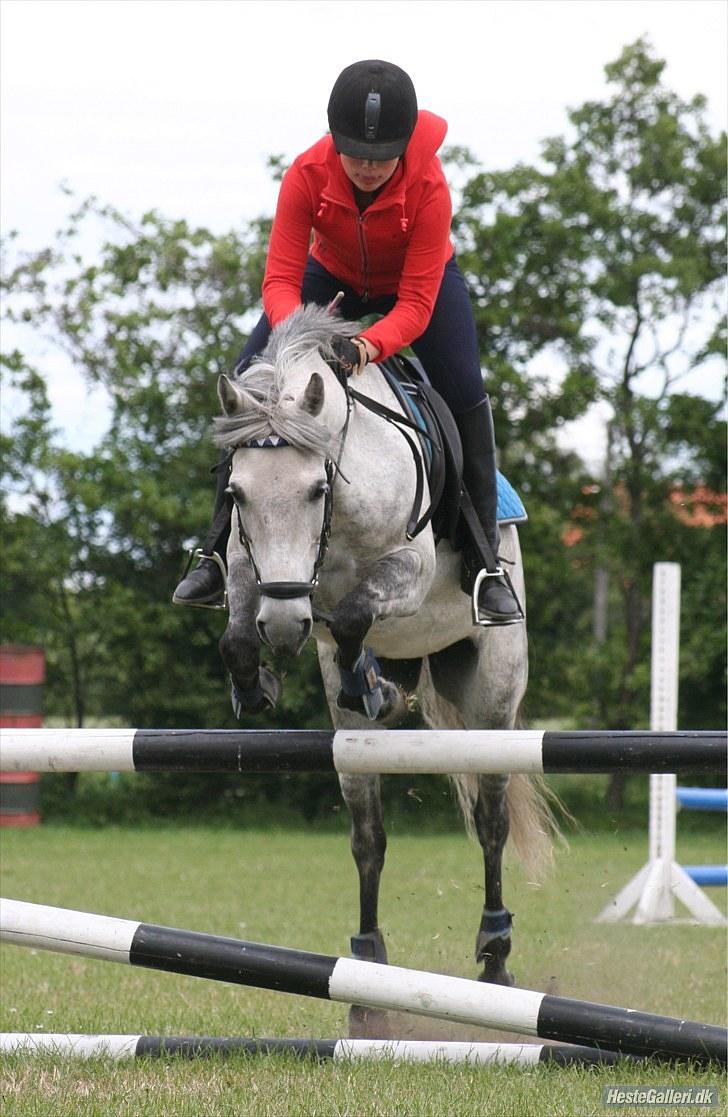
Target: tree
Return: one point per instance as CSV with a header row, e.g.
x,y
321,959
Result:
x,y
608,259
154,319
596,277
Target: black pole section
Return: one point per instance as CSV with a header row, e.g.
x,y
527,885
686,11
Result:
x,y
563,1055
640,751
193,1047
636,1033
233,750
221,959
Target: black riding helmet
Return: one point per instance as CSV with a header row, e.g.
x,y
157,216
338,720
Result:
x,y
372,110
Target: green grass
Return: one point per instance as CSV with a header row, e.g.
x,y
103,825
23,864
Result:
x,y
299,890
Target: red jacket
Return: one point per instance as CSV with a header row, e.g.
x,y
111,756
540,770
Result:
x,y
398,246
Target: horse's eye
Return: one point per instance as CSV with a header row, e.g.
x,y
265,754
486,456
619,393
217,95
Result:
x,y
319,490
236,493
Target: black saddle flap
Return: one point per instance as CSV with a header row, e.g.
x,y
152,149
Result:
x,y
409,381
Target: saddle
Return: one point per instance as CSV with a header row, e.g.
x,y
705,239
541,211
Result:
x,y
442,450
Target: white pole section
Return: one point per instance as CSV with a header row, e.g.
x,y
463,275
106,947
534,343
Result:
x,y
66,931
443,751
67,750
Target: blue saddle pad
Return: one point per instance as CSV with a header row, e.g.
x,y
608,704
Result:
x,y
401,374
510,508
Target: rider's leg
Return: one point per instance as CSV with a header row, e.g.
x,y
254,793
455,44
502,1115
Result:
x,y
449,351
204,585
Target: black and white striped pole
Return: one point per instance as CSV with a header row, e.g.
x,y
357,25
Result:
x,y
335,1050
356,982
385,752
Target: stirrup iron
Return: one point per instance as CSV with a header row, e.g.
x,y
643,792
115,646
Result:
x,y
198,553
499,572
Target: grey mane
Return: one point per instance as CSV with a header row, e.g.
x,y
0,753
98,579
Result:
x,y
308,329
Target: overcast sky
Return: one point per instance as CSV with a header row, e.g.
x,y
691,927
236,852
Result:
x,y
175,104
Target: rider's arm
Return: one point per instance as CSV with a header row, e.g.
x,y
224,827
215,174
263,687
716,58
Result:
x,y
288,249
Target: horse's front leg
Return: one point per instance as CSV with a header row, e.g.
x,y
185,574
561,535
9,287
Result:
x,y
253,688
368,845
395,585
491,820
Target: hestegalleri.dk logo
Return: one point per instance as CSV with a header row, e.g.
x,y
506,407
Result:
x,y
660,1095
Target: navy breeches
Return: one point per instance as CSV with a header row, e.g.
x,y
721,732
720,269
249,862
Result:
x,y
448,348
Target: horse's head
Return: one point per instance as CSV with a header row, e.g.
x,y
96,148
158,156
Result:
x,y
284,427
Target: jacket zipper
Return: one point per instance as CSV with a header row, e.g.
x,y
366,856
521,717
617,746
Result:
x,y
364,257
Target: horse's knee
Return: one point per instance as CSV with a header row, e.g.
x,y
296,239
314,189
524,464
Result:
x,y
348,627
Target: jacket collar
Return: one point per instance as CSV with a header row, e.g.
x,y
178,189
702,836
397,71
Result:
x,y
340,189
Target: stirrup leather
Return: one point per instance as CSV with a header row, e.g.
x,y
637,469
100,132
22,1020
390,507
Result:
x,y
198,553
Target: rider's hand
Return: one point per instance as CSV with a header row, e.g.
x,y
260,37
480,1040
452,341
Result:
x,y
350,353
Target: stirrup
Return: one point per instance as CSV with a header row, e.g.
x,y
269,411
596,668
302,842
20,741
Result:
x,y
499,572
198,553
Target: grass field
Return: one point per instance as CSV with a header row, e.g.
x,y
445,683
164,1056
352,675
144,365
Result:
x,y
299,889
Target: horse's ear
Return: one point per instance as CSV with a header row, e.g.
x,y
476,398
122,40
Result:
x,y
313,397
228,395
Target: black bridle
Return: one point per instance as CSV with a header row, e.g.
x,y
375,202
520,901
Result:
x,y
288,590
283,591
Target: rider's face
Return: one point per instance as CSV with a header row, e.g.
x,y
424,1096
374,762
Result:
x,y
368,174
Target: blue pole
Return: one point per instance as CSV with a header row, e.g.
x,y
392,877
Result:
x,y
708,876
703,798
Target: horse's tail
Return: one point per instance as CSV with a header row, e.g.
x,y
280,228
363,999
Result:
x,y
533,825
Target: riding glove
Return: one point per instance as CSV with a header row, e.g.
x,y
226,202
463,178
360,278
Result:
x,y
350,353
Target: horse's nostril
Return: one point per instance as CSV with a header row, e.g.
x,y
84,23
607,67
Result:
x,y
260,625
307,627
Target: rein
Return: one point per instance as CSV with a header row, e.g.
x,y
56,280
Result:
x,y
290,590
414,526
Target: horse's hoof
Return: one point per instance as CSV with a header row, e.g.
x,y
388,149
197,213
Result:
x,y
395,707
500,976
368,1023
263,695
369,947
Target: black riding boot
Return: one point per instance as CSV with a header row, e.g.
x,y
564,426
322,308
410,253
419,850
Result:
x,y
205,585
497,603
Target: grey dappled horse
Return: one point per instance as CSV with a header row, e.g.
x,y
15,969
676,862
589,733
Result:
x,y
326,510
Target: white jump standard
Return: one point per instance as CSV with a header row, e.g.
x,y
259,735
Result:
x,y
336,1050
385,752
652,892
357,982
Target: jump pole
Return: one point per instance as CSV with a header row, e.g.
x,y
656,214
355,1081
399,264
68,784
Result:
x,y
383,751
705,799
357,982
335,1050
653,890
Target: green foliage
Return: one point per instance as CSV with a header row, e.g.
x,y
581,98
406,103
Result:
x,y
154,320
595,276
606,263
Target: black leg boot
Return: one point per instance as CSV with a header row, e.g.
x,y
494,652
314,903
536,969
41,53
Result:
x,y
497,603
204,587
